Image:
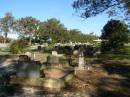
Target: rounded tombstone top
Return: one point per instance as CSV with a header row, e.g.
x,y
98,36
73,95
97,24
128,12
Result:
x,y
75,52
28,54
24,58
52,59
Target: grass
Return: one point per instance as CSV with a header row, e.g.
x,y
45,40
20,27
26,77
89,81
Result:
x,y
39,56
109,78
121,56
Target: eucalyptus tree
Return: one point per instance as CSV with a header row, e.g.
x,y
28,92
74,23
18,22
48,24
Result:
x,y
6,25
28,26
52,29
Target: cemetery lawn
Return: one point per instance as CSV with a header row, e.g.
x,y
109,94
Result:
x,y
108,75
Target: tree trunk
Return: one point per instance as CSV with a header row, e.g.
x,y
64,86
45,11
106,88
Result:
x,y
5,38
30,41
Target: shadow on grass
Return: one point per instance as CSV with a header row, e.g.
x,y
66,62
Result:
x,y
9,90
5,72
117,83
3,58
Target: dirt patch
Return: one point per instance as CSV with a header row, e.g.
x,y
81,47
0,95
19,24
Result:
x,y
99,83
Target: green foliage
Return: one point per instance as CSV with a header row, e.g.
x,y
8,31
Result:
x,y
129,38
50,31
116,34
6,25
27,26
18,46
90,8
76,36
52,28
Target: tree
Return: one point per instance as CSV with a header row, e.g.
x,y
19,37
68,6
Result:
x,y
6,25
77,36
115,33
28,26
90,8
52,28
129,37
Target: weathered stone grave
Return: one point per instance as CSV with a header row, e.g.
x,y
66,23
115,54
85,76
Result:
x,y
54,53
81,64
28,69
29,54
52,59
81,58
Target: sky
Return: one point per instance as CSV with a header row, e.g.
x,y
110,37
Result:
x,y
59,9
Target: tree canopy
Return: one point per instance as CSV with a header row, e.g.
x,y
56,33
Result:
x,y
35,30
90,8
28,26
6,25
115,33
53,28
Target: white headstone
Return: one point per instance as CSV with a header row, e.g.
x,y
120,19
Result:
x,y
28,54
54,53
81,62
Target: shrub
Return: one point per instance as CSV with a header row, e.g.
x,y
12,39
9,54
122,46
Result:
x,y
18,46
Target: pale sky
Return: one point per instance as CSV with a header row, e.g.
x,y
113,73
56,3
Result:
x,y
59,9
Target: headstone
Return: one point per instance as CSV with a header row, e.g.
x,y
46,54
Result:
x,y
75,52
54,53
52,60
24,58
28,54
81,64
39,48
28,70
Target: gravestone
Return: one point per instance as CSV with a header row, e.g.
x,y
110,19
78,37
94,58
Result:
x,y
28,54
75,52
54,53
81,64
24,58
52,59
28,69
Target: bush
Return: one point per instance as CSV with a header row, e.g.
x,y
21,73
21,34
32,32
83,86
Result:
x,y
18,46
116,35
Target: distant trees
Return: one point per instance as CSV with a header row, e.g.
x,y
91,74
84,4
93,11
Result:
x,y
90,8
27,26
129,37
77,36
6,25
53,28
37,31
116,34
